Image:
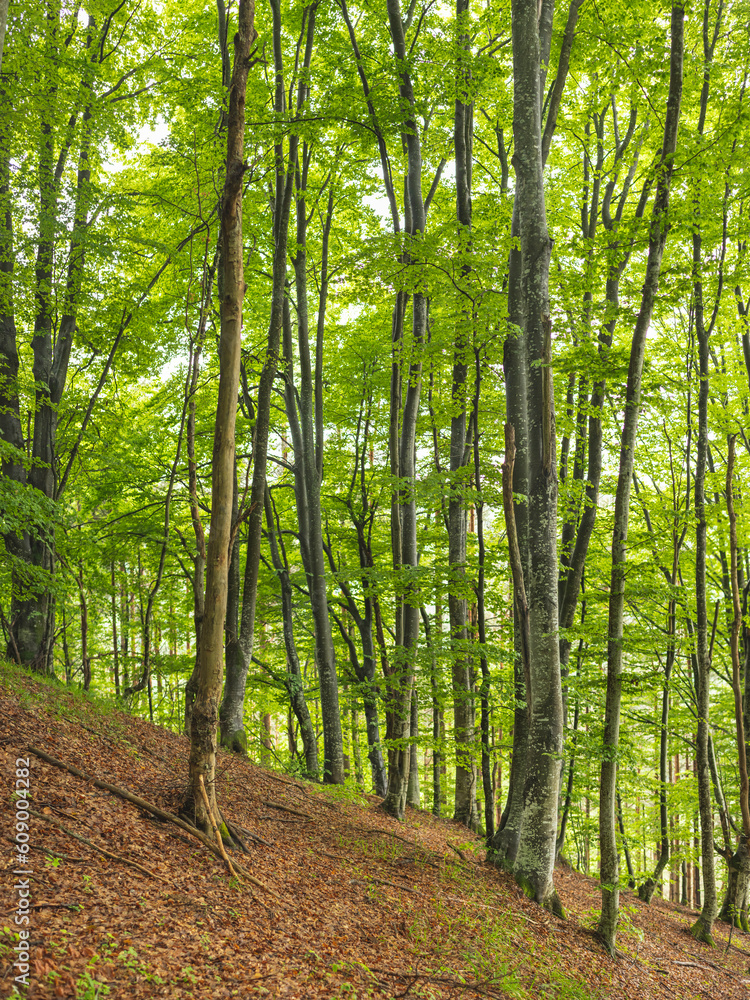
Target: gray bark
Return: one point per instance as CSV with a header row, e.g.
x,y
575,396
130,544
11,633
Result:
x,y
333,745
465,810
657,240
536,846
232,707
294,680
703,927
402,452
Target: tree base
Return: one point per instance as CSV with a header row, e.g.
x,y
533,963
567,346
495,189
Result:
x,y
550,901
646,891
235,742
701,931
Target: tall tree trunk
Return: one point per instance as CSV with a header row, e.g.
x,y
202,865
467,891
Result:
x,y
210,654
403,449
232,707
657,240
535,31
536,845
293,681
413,798
740,862
465,810
309,457
702,929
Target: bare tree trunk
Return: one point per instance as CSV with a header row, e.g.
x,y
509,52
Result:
x,y
210,654
232,706
3,24
465,810
293,681
403,449
657,240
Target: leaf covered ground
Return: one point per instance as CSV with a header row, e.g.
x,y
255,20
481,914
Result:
x,y
354,905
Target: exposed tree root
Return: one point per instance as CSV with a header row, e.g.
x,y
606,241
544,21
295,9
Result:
x,y
89,843
484,988
248,833
215,825
148,807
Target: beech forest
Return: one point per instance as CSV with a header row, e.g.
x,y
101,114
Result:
x,y
375,407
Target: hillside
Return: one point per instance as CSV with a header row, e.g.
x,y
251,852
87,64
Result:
x,y
353,904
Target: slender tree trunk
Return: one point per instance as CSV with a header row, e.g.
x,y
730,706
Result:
x,y
403,451
413,797
294,681
657,240
333,752
232,706
739,864
646,889
210,655
465,810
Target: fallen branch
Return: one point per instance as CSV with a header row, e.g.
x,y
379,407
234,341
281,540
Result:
x,y
45,850
249,833
484,988
280,819
235,835
383,881
148,807
387,833
89,843
217,832
278,805
56,906
275,777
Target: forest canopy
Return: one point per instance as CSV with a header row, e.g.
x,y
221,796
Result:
x,y
374,383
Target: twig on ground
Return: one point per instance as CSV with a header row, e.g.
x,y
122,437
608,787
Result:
x,y
386,833
485,987
278,805
148,807
56,906
89,843
253,836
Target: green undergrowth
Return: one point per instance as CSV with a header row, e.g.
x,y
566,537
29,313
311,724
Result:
x,y
55,697
467,932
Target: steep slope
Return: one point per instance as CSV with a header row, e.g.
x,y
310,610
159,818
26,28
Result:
x,y
354,904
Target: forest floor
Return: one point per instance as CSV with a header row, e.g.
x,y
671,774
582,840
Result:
x,y
353,905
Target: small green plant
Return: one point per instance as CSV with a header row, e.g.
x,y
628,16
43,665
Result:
x,y
131,960
7,939
188,974
88,988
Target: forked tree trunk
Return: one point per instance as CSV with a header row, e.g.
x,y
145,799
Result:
x,y
210,654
